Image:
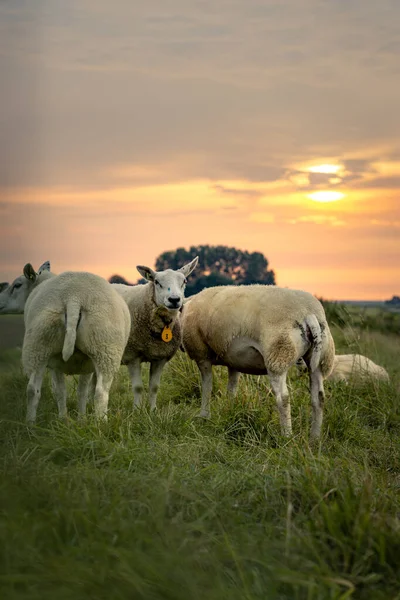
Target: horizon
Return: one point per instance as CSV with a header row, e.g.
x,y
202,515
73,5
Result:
x,y
133,129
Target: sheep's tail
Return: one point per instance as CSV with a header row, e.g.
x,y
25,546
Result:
x,y
72,318
315,333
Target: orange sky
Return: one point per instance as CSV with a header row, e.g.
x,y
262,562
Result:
x,y
133,131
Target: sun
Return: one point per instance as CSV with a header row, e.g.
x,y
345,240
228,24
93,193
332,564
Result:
x,y
326,196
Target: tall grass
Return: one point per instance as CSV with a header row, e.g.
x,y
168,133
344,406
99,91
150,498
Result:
x,y
384,320
167,506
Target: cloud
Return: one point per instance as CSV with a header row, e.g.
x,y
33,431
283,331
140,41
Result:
x,y
130,128
382,183
242,192
211,89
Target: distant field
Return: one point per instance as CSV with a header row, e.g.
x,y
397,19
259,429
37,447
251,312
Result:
x,y
369,303
11,331
367,317
168,507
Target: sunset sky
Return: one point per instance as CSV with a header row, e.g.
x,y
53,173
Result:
x,y
129,128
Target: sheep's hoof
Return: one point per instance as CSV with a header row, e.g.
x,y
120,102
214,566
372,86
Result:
x,y
287,434
102,418
314,441
203,415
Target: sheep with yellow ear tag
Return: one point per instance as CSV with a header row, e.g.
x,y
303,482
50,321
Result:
x,y
156,325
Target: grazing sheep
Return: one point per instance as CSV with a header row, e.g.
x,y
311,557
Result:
x,y
259,330
156,329
356,368
75,323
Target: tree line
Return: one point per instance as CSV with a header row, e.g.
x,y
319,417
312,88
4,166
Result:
x,y
218,265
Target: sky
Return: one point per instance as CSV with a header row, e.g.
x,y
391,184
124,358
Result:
x,y
130,128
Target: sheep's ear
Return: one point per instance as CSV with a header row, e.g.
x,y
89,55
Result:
x,y
187,269
30,272
146,272
3,285
44,267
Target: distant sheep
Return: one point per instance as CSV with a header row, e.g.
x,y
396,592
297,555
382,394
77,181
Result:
x,y
356,368
75,323
259,330
156,328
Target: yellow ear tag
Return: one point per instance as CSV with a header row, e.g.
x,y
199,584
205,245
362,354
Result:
x,y
166,334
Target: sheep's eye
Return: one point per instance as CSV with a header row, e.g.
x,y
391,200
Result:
x,y
16,286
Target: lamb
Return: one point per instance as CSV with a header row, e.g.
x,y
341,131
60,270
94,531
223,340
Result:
x,y
156,328
75,323
354,367
259,330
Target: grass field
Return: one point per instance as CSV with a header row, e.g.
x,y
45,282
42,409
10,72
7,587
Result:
x,y
11,331
170,507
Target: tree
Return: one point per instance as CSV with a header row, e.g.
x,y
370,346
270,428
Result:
x,y
119,279
395,301
218,265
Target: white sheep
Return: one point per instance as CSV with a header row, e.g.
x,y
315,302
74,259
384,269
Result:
x,y
356,367
12,301
260,330
75,323
156,328
353,367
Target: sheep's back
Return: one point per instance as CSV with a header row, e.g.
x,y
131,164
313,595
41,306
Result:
x,y
356,366
101,306
222,313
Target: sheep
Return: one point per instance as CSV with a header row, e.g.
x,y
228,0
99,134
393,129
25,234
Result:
x,y
259,330
13,297
75,323
354,367
156,329
12,301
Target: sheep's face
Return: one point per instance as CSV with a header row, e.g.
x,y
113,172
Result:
x,y
13,296
169,285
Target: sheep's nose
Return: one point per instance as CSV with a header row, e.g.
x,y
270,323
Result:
x,y
174,301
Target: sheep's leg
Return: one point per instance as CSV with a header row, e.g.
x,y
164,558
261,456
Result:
x,y
301,366
83,391
279,387
205,368
60,392
233,380
317,401
33,393
103,385
135,372
156,368
91,386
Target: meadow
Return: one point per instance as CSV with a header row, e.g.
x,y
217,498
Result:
x,y
167,506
